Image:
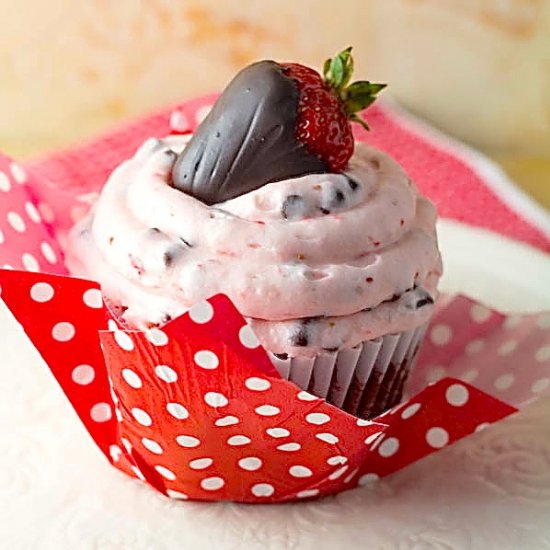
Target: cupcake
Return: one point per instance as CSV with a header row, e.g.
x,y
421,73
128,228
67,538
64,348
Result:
x,y
324,246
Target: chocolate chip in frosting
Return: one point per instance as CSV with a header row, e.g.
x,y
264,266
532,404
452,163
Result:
x,y
427,300
186,242
293,207
300,337
339,197
352,183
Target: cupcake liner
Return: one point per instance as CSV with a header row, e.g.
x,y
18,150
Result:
x,y
363,380
197,410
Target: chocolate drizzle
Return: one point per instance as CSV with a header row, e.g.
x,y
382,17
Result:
x,y
247,140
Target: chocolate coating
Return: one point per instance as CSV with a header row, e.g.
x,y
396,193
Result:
x,y
247,140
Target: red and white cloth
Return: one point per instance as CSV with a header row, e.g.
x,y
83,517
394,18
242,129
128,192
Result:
x,y
196,409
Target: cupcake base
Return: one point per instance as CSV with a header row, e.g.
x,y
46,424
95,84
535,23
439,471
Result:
x,y
365,380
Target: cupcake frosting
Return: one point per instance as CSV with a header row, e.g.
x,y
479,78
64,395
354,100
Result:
x,y
319,262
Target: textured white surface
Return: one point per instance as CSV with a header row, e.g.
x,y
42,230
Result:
x,y
489,491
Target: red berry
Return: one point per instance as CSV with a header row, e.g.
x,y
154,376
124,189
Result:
x,y
323,126
328,105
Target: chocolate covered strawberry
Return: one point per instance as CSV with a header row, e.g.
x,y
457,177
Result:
x,y
274,121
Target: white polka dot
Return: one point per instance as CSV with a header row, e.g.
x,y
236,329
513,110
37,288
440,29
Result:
x,y
177,410
457,395
542,354
441,334
215,399
124,341
1,236
238,440
437,437
32,212
212,483
335,460
305,396
338,473
127,445
206,359
479,313
482,426
201,313
202,113
540,385
470,375
512,321
257,384
411,410
112,326
118,415
92,298
368,479
165,373
363,422
200,463
317,418
435,374
166,473
277,432
42,292
63,332
137,473
307,493
178,121
187,441
5,184
30,263
262,490
141,416
372,437
475,346
156,336
377,441
101,412
16,221
267,410
131,378
250,463
115,452
327,438
19,175
176,494
248,338
152,446
388,447
289,447
83,375
507,347
226,421
504,381
543,321
300,471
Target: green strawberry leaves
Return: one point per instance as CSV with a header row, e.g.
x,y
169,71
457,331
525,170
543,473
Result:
x,y
337,73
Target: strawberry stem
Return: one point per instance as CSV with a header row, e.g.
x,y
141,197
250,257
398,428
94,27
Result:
x,y
337,73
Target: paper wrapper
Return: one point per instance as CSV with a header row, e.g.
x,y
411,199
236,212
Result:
x,y
364,380
197,410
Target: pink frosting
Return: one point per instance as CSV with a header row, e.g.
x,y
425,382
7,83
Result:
x,y
341,257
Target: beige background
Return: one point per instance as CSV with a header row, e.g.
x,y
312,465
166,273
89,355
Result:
x,y
479,69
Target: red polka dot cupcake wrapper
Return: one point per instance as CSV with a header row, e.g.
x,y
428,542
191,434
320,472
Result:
x,y
197,410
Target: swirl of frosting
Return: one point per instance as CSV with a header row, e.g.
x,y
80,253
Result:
x,y
341,257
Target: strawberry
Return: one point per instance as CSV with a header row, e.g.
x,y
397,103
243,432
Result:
x,y
327,105
274,121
